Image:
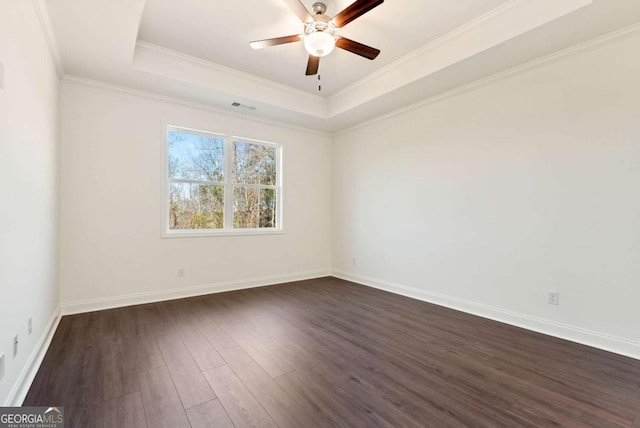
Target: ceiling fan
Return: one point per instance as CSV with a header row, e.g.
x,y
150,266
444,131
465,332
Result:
x,y
320,32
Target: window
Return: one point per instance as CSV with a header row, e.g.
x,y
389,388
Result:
x,y
217,184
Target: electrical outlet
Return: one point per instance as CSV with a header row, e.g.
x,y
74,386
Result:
x,y
553,297
15,345
1,366
180,272
30,324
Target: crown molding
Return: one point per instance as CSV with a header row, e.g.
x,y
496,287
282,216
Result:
x,y
429,46
178,66
42,12
498,26
615,36
627,32
223,69
81,81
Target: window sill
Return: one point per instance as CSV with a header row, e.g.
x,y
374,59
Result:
x,y
208,234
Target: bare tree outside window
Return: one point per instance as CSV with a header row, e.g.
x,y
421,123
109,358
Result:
x,y
255,206
196,168
219,183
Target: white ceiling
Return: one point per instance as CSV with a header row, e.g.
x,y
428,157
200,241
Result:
x,y
198,51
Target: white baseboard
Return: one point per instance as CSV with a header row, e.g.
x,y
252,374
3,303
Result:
x,y
81,306
19,391
583,336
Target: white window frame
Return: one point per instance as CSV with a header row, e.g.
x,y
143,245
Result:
x,y
228,185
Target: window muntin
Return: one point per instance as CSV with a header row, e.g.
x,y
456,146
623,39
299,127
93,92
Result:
x,y
218,184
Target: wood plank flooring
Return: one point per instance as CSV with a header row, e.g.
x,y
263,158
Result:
x,y
324,353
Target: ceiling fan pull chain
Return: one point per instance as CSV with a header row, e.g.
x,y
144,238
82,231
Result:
x,y
319,86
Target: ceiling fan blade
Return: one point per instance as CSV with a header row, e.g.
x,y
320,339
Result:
x,y
298,8
312,65
259,44
354,11
357,48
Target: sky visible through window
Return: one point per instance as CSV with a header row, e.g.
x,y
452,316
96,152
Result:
x,y
196,157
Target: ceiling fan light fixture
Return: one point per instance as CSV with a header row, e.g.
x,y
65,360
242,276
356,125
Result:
x,y
320,36
319,43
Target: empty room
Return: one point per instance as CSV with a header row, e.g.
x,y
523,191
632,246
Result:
x,y
319,213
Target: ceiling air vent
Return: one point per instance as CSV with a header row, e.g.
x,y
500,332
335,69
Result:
x,y
243,106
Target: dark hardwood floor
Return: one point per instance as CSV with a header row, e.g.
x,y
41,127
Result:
x,y
324,352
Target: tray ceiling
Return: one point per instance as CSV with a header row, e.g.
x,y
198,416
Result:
x,y
198,50
220,32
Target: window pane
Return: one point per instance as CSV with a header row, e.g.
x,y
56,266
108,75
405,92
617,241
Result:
x,y
254,208
195,156
254,163
196,206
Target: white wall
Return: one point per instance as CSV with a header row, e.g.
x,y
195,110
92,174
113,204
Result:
x,y
486,200
29,116
112,162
